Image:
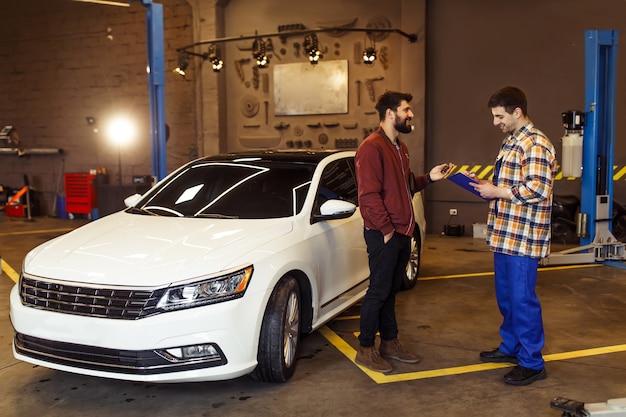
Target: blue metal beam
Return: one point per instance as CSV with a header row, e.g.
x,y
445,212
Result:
x,y
598,137
156,86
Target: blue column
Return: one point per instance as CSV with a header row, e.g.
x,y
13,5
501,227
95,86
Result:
x,y
598,137
156,85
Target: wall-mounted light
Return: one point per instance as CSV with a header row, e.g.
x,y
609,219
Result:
x,y
258,52
183,63
260,46
312,48
369,53
215,57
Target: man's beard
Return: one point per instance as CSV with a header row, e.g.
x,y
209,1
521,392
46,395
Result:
x,y
402,127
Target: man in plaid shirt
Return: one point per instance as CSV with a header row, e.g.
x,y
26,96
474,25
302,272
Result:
x,y
518,229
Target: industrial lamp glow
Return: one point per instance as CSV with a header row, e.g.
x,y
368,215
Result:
x,y
369,53
258,52
215,57
369,56
312,48
183,63
121,131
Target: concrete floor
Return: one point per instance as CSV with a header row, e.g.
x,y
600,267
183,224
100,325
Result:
x,y
449,317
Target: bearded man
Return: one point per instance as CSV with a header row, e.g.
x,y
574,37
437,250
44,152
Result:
x,y
385,202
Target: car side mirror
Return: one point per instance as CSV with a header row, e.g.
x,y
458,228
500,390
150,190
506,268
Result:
x,y
334,209
132,200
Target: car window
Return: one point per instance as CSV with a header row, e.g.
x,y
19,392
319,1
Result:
x,y
229,189
338,182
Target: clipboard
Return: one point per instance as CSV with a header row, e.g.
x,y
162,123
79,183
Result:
x,y
463,180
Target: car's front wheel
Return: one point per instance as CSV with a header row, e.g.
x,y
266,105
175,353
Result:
x,y
413,267
280,333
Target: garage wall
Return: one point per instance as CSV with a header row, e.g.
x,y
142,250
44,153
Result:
x,y
331,121
62,62
474,48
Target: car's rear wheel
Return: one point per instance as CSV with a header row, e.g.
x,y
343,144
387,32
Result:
x,y
413,267
280,333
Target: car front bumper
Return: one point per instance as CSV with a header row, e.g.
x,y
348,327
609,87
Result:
x,y
137,350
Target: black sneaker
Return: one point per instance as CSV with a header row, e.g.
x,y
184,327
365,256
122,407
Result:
x,y
524,376
496,355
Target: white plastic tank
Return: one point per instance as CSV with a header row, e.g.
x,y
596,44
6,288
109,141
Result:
x,y
572,142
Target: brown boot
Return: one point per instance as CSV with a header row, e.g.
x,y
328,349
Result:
x,y
371,359
392,349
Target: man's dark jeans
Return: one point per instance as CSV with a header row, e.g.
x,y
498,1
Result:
x,y
387,262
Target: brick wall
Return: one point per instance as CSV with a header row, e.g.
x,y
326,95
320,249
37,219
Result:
x,y
64,61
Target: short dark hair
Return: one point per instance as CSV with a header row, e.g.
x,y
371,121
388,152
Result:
x,y
390,100
510,98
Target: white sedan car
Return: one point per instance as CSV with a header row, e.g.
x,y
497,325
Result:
x,y
212,274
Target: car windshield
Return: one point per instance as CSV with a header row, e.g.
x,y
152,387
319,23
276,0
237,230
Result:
x,y
229,189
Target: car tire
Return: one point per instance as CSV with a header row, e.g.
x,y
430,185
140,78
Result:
x,y
413,267
280,333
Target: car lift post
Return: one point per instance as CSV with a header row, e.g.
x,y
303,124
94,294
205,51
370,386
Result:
x,y
597,188
156,85
598,140
156,81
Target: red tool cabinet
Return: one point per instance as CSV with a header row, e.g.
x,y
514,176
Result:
x,y
80,193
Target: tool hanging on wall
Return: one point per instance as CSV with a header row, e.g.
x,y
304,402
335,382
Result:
x,y
369,83
383,57
269,47
255,77
249,106
338,24
239,63
358,92
379,22
265,83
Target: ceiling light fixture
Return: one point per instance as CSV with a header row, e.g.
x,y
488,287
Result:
x,y
369,53
312,48
258,52
183,63
215,57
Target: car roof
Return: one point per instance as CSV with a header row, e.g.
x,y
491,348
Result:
x,y
294,155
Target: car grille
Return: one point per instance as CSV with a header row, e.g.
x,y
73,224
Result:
x,y
113,303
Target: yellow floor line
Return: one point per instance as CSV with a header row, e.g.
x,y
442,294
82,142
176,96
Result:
x,y
484,274
31,232
380,378
9,271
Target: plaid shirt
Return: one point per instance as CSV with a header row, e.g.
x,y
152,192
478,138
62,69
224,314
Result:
x,y
526,165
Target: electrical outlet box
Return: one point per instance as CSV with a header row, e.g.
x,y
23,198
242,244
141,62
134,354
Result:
x,y
453,212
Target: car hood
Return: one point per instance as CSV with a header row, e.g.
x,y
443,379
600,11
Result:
x,y
138,250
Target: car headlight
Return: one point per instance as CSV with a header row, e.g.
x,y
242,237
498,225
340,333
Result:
x,y
214,290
